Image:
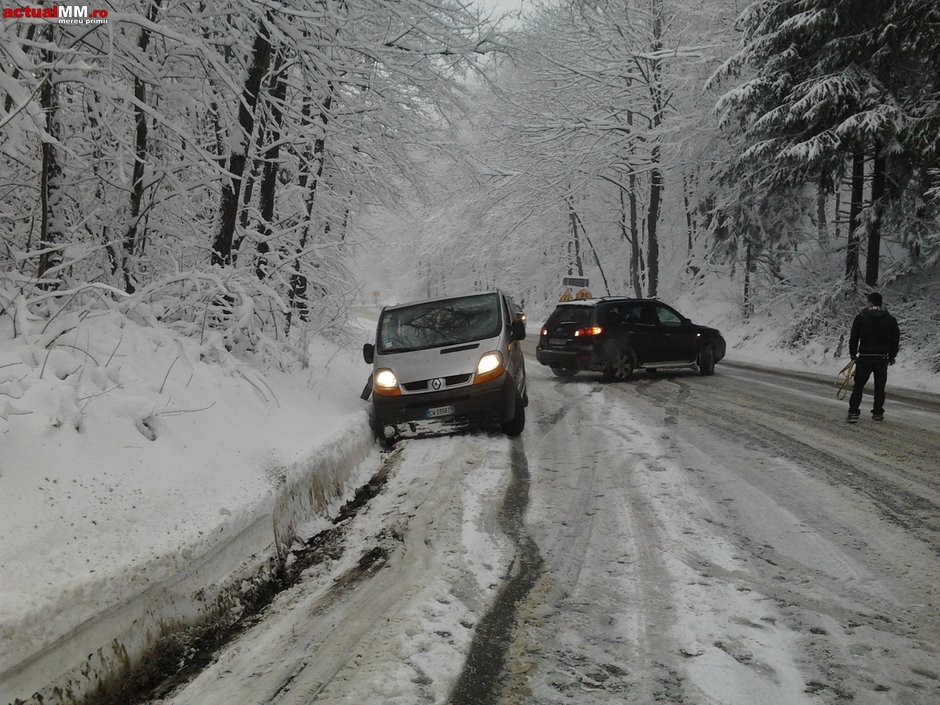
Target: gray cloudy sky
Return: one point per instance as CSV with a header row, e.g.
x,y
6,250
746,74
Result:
x,y
503,5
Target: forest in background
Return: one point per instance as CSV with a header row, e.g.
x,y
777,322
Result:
x,y
787,146
200,165
217,167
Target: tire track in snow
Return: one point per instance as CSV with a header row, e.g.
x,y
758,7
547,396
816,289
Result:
x,y
595,628
824,522
480,682
774,427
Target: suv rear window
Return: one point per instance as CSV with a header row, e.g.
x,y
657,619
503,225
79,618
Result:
x,y
578,315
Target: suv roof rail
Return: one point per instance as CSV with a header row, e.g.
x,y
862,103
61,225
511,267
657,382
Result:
x,y
630,298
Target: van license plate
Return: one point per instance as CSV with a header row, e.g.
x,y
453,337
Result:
x,y
438,411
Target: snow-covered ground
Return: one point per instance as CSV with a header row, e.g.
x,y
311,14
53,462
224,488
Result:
x,y
390,619
128,454
728,540
685,539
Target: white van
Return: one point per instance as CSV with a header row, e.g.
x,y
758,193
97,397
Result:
x,y
448,364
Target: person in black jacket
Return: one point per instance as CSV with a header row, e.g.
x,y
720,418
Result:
x,y
873,345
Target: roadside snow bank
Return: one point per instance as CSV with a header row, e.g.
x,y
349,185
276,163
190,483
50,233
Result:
x,y
763,339
140,472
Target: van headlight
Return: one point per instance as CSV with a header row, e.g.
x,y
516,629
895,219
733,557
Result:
x,y
490,366
385,382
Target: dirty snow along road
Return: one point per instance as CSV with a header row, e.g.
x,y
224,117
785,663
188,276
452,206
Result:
x,y
685,540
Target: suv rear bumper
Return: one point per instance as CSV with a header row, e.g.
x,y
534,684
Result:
x,y
584,359
489,404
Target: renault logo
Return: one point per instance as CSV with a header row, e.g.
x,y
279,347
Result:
x,y
437,383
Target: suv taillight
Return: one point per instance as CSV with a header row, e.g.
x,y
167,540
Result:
x,y
590,330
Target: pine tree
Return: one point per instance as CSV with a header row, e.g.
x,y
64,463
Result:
x,y
837,81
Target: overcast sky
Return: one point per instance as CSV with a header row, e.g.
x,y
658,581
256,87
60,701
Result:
x,y
503,5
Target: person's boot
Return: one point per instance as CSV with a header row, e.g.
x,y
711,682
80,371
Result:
x,y
878,415
852,417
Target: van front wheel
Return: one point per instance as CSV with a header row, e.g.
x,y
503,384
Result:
x,y
516,424
379,432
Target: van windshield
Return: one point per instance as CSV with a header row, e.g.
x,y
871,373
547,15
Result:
x,y
436,324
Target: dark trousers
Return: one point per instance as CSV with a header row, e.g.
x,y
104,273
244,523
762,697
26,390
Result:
x,y
865,367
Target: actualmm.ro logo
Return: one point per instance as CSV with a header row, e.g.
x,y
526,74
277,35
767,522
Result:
x,y
61,14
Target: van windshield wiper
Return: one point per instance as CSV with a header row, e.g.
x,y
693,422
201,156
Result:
x,y
389,351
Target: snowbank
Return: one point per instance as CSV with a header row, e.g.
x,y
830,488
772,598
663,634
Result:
x,y
761,339
140,473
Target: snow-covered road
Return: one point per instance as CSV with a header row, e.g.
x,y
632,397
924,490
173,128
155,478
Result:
x,y
675,539
731,540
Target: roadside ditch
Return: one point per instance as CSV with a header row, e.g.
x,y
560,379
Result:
x,y
159,638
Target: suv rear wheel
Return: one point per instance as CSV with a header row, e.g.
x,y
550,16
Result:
x,y
619,365
564,372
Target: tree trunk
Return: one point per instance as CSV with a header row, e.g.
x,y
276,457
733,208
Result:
x,y
95,120
212,115
878,183
624,233
309,178
748,263
254,158
635,263
690,226
231,183
52,225
652,238
822,227
575,239
837,209
248,190
140,156
631,237
858,185
269,178
656,177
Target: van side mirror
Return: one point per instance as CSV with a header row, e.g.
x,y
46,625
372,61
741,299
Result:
x,y
368,353
518,330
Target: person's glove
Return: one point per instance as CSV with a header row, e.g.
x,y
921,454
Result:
x,y
890,360
854,357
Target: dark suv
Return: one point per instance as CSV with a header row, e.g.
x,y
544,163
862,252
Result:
x,y
617,336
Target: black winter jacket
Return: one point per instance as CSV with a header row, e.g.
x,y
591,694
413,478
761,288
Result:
x,y
875,332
